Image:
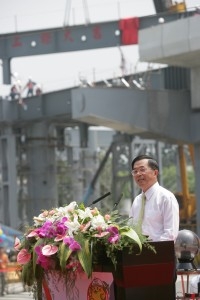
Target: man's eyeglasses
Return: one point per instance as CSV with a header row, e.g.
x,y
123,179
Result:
x,y
139,171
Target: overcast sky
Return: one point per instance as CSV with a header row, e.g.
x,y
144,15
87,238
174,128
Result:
x,y
59,71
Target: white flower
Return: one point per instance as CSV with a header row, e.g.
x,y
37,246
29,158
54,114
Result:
x,y
39,221
83,214
61,212
66,210
73,226
98,221
71,206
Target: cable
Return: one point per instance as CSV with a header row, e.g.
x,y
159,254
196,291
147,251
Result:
x,y
67,13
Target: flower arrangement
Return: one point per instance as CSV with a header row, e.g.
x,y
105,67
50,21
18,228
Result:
x,y
66,238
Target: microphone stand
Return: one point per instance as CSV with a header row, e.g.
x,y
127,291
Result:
x,y
100,198
116,203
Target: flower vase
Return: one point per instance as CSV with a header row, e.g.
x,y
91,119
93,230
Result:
x,y
58,286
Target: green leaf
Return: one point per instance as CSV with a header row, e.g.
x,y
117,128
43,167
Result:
x,y
27,274
133,235
39,242
84,255
65,253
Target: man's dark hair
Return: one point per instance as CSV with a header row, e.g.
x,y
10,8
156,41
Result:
x,y
152,163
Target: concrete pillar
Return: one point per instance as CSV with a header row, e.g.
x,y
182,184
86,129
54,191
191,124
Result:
x,y
121,163
197,186
159,147
6,71
195,88
42,188
8,179
77,180
85,166
88,169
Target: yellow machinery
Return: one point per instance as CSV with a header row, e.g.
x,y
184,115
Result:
x,y
178,7
162,6
187,201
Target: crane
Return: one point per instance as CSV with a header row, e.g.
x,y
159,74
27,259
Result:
x,y
162,6
187,200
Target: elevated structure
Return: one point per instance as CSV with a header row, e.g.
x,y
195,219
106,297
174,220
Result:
x,y
177,43
73,38
160,114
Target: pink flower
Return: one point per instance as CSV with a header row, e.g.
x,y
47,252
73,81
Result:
x,y
101,234
59,237
32,234
73,245
17,244
107,217
45,213
99,229
46,262
113,239
94,211
84,227
49,250
23,257
114,234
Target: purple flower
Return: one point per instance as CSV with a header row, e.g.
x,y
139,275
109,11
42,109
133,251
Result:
x,y
51,230
73,245
44,261
113,230
46,230
114,234
60,227
113,239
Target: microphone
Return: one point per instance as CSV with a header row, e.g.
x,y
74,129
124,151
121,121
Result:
x,y
100,198
116,203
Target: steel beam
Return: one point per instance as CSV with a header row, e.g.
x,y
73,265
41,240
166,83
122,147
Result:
x,y
161,115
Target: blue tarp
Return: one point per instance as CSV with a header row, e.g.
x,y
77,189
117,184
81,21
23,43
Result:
x,y
6,241
10,231
8,235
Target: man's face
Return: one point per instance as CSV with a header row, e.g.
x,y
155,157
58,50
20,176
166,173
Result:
x,y
143,175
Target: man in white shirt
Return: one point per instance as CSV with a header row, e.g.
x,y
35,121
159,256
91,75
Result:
x,y
159,216
160,221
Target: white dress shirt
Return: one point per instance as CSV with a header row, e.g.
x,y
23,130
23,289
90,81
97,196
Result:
x,y
161,214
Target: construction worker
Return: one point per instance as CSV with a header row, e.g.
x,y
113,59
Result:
x,y
30,87
4,260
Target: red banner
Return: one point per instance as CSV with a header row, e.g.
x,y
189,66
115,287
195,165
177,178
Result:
x,y
129,31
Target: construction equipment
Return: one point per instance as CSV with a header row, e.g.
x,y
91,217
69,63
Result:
x,y
178,7
187,201
162,6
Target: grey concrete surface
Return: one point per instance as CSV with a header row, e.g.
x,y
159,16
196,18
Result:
x,y
16,290
19,296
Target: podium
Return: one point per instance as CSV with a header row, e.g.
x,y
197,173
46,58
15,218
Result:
x,y
145,276
148,275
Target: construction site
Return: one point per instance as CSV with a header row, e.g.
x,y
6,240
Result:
x,y
77,144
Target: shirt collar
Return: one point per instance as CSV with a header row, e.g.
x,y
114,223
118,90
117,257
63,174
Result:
x,y
151,190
